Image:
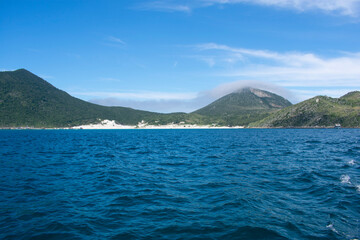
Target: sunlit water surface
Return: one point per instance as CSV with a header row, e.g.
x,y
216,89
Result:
x,y
180,184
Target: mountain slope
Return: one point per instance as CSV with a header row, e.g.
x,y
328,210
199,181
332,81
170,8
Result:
x,y
243,107
28,100
317,111
244,100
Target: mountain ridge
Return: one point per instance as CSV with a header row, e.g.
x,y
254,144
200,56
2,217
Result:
x,y
28,100
319,111
244,99
245,105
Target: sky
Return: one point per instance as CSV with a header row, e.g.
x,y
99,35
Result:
x,y
179,55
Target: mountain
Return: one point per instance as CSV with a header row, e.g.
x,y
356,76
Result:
x,y
317,111
28,100
243,107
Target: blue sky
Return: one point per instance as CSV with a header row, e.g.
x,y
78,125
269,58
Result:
x,y
170,55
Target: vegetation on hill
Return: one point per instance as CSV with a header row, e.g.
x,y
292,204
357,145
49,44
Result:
x,y
320,111
28,100
243,107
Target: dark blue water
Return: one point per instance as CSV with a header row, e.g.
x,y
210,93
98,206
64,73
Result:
x,y
180,184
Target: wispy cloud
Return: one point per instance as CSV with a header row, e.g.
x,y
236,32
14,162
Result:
x,y
208,59
341,7
294,75
163,106
139,96
164,102
167,102
229,87
114,42
166,6
309,93
189,102
290,69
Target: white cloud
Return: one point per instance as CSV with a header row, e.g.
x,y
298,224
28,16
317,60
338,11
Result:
x,y
164,102
342,7
163,106
189,102
139,96
166,6
303,74
230,87
209,60
302,95
167,102
287,69
115,40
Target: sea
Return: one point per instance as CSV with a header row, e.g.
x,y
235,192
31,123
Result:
x,y
180,184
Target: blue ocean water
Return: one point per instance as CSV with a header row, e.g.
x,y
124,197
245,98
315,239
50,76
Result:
x,y
180,184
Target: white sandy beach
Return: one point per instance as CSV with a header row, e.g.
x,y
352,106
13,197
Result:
x,y
111,124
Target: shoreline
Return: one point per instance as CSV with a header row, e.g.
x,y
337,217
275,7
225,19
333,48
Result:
x,y
112,125
200,127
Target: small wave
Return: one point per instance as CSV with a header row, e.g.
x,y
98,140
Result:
x,y
173,164
358,188
306,177
345,179
248,232
55,236
351,162
332,228
312,141
124,236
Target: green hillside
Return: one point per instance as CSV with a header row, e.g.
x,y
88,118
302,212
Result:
x,y
28,100
243,107
317,111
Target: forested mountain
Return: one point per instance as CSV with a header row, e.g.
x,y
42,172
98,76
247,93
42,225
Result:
x,y
317,111
28,100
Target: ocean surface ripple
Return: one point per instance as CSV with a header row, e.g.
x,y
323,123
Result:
x,y
180,184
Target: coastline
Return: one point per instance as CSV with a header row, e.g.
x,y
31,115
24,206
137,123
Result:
x,y
112,125
165,127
